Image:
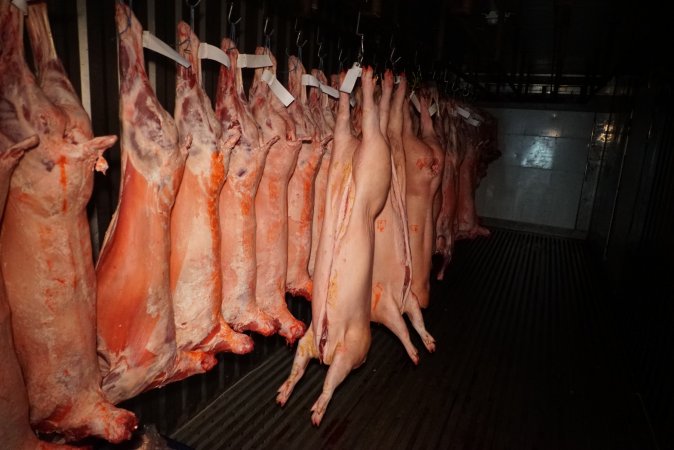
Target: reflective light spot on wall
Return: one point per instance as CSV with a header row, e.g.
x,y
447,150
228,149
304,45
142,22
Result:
x,y
540,154
606,133
552,132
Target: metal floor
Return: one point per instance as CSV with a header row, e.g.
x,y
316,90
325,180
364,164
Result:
x,y
523,361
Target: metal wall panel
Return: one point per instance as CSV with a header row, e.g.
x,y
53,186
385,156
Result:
x,y
540,176
631,233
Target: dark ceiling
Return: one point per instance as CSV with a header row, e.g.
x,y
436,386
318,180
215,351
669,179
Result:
x,y
552,47
532,50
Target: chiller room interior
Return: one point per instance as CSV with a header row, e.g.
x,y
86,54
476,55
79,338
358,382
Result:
x,y
335,224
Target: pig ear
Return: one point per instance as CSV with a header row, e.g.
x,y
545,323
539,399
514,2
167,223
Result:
x,y
102,143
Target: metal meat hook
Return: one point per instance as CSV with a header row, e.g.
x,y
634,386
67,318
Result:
x,y
232,24
392,60
361,51
192,7
128,16
229,15
267,35
300,46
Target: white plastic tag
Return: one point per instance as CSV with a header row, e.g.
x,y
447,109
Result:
x,y
208,51
152,42
21,4
473,122
463,112
350,79
277,88
310,80
415,102
253,61
332,92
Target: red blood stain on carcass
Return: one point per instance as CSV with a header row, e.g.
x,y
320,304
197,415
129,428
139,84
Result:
x,y
215,184
63,180
377,290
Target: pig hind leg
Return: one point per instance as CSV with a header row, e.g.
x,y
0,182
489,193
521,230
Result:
x,y
413,311
306,350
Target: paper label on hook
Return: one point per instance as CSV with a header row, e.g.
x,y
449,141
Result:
x,y
310,80
350,79
151,42
332,92
208,51
463,112
253,61
21,4
277,88
473,122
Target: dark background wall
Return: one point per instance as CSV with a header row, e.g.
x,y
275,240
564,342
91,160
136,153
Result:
x,y
631,233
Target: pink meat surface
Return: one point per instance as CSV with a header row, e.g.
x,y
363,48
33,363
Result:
x,y
45,231
237,204
301,186
392,270
423,168
136,330
445,228
358,184
320,106
271,204
468,225
196,278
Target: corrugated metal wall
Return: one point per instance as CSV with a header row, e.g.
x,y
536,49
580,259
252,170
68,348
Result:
x,y
632,232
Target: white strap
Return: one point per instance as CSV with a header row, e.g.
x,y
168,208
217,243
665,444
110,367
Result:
x,y
473,122
332,92
415,101
208,51
21,4
152,42
350,79
253,61
310,80
277,88
463,112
